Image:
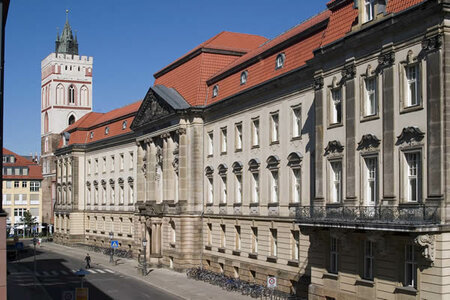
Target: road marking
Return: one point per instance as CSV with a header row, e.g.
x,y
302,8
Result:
x,y
100,271
54,272
64,273
92,271
107,270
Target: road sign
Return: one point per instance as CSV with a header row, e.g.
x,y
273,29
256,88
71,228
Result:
x,y
81,294
68,295
114,244
271,282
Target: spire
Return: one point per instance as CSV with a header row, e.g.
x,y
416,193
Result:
x,y
65,43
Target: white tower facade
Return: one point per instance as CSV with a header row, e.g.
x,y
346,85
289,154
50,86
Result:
x,y
66,96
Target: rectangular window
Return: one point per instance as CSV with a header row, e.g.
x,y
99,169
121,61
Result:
x,y
96,195
223,140
121,194
295,249
238,136
222,236
24,184
296,122
410,266
113,163
131,160
369,10
274,186
238,188
255,187
370,105
273,242
16,184
209,237
334,255
25,170
336,106
96,165
104,164
210,143
254,239
210,190
295,185
112,195
412,176
368,260
89,167
8,184
274,124
17,171
9,171
104,195
88,196
237,237
34,186
255,132
371,184
130,193
224,189
336,182
121,161
412,85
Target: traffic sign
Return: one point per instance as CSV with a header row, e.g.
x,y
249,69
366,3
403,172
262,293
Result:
x,y
115,244
271,282
68,295
81,294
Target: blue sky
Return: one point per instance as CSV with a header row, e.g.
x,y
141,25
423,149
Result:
x,y
129,40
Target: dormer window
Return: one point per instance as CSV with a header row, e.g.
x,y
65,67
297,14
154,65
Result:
x,y
124,125
92,135
244,76
215,91
369,10
280,61
106,130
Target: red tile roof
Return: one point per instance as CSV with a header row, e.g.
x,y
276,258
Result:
x,y
341,21
80,131
34,170
188,74
394,6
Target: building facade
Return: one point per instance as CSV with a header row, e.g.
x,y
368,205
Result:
x,y
66,96
319,157
21,191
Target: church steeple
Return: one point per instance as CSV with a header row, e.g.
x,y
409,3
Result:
x,y
66,43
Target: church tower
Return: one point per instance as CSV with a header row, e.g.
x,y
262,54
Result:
x,y
66,96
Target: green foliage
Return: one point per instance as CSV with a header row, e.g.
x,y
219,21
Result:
x,y
28,219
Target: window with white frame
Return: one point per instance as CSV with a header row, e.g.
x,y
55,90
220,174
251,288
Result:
x,y
254,239
238,136
295,244
370,97
210,143
296,121
238,188
210,190
412,84
334,255
274,186
88,195
224,189
336,106
371,181
112,194
369,10
279,62
34,186
295,185
96,165
96,195
131,154
89,167
223,140
336,181
368,260
273,242
255,132
121,194
130,193
255,187
274,127
16,184
413,176
237,242
104,164
222,236
410,266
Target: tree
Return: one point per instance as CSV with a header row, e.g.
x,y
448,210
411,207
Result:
x,y
28,220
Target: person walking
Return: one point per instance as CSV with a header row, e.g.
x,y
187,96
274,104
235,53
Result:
x,y
88,261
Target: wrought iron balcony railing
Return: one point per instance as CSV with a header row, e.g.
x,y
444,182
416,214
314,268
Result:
x,y
411,215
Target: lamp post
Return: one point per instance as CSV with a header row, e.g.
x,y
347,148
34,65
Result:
x,y
111,253
34,262
144,269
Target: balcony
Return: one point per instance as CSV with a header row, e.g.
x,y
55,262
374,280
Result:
x,y
403,217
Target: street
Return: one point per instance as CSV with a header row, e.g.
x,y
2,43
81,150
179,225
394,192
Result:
x,y
55,279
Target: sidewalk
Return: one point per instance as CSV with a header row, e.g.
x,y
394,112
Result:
x,y
170,281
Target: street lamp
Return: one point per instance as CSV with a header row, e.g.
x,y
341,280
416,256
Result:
x,y
34,262
111,253
144,269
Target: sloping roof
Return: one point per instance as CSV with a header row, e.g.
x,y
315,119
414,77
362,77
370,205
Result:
x,y
172,97
189,73
34,170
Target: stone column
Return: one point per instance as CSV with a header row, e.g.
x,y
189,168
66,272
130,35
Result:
x,y
348,75
182,163
386,61
432,49
319,127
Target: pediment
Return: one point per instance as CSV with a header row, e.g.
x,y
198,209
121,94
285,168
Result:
x,y
410,135
153,108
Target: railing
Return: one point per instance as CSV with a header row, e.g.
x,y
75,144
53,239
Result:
x,y
417,214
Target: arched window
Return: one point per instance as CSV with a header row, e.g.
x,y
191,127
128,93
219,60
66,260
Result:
x,y
59,94
84,96
71,95
294,161
71,119
46,122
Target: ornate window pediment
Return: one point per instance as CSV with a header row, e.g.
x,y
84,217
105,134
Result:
x,y
222,169
368,141
209,171
294,159
253,165
272,162
120,181
111,181
334,147
130,180
88,183
95,182
237,167
103,182
410,135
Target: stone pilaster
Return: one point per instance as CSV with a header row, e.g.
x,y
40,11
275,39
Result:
x,y
319,127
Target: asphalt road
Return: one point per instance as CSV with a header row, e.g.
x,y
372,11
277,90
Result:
x,y
55,275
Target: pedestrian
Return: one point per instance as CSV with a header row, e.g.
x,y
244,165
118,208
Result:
x,y
88,261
